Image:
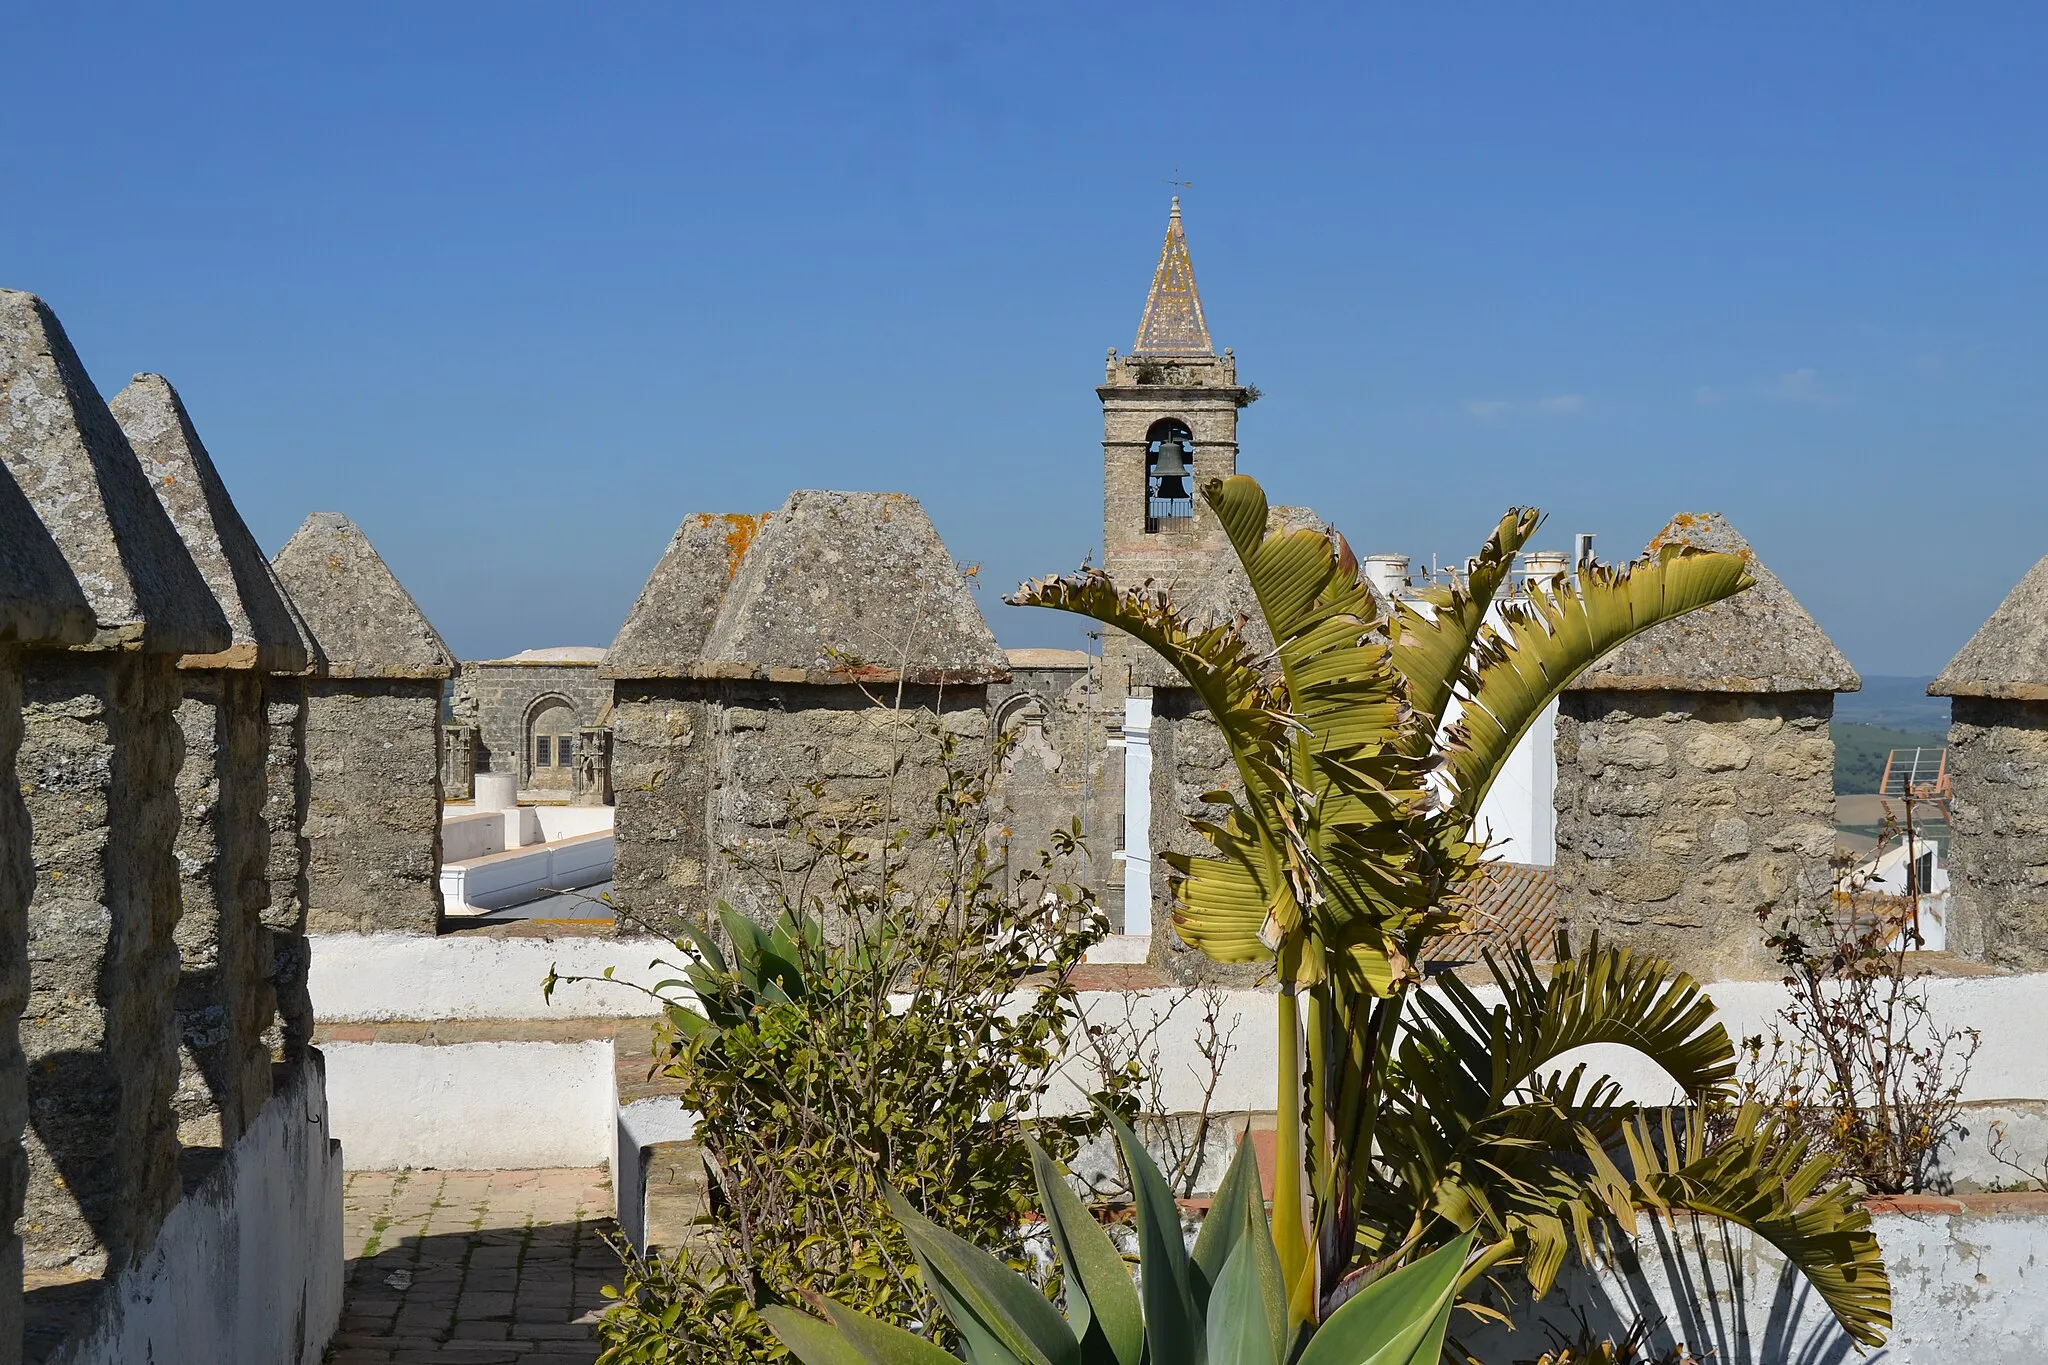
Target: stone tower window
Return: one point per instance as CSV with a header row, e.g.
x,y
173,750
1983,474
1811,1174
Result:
x,y
551,745
1169,477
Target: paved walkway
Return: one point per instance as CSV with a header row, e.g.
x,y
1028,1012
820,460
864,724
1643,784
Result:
x,y
479,1267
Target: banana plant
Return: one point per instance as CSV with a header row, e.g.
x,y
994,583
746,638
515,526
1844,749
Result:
x,y
1220,1304
1365,737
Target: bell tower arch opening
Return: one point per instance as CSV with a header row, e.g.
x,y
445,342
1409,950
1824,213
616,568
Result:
x,y
1169,477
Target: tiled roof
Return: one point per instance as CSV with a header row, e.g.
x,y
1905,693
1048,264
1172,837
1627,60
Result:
x,y
1513,905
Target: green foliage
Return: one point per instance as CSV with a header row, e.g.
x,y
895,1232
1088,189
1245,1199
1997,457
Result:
x,y
1365,740
1222,1304
885,1038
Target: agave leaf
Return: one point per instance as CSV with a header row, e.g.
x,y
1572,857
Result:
x,y
1229,1217
1520,667
1173,1322
1239,1332
849,1338
980,1291
1398,1319
811,1341
1102,1303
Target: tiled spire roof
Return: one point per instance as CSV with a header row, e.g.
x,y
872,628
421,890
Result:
x,y
1173,323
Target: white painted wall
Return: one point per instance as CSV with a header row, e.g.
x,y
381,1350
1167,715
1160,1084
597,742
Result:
x,y
467,832
248,1266
1136,853
365,978
1966,1290
476,886
473,1106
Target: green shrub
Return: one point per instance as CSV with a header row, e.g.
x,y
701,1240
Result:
x,y
891,1032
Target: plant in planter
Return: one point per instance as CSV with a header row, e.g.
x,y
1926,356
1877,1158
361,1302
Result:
x,y
1365,736
1223,1303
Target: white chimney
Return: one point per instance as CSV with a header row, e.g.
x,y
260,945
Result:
x,y
1544,567
1388,574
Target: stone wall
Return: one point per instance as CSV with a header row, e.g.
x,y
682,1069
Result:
x,y
17,883
1058,767
98,763
288,793
1682,816
373,822
1189,757
499,697
1998,860
225,998
706,770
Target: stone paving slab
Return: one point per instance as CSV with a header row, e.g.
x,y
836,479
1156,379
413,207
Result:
x,y
480,1267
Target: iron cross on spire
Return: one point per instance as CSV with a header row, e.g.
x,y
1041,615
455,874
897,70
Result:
x,y
1177,181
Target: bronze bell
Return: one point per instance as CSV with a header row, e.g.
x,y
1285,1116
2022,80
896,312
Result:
x,y
1172,470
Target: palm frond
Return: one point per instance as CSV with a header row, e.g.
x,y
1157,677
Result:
x,y
1555,634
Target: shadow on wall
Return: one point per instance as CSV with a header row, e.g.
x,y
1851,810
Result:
x,y
1701,1284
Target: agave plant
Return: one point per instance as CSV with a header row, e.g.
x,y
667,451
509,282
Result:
x,y
1365,738
1221,1304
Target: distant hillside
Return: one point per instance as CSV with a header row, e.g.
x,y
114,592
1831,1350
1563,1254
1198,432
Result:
x,y
1895,703
1860,751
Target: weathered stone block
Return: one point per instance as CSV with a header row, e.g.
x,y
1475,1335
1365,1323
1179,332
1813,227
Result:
x,y
98,759
1680,859
373,822
1998,765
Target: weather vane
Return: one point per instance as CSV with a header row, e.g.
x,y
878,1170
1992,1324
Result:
x,y
1183,184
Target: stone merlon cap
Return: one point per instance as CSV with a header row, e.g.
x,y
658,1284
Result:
x,y
266,635
359,618
1760,640
40,602
2008,656
70,461
829,588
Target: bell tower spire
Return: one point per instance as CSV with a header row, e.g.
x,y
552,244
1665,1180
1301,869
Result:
x,y
1169,425
1173,322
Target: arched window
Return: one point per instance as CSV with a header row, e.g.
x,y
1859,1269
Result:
x,y
1169,476
551,745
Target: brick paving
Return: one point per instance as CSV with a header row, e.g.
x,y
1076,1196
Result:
x,y
477,1267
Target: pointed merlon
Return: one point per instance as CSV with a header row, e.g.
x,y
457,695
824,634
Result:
x,y
1173,323
1760,640
40,602
266,635
70,461
830,588
664,634
2008,656
359,618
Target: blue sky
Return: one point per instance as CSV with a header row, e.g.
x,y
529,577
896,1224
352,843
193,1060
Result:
x,y
518,286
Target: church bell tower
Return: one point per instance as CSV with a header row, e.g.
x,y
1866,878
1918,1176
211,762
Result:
x,y
1169,425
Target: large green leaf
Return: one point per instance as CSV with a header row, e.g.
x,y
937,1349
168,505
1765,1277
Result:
x,y
1102,1303
987,1300
1173,1321
850,1338
1239,1332
1555,634
1398,1319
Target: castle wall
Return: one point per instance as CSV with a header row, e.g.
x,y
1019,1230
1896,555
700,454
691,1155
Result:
x,y
225,999
287,797
706,772
99,756
1683,816
373,823
1998,857
17,883
499,697
1058,767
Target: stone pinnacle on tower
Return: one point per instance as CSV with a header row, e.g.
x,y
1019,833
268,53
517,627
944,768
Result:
x,y
1173,323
